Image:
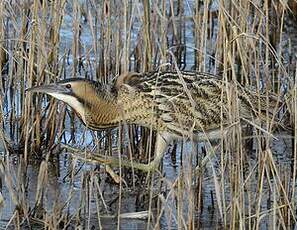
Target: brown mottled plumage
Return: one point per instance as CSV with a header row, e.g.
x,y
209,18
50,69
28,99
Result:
x,y
185,102
172,103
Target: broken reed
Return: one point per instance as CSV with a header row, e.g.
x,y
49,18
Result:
x,y
238,40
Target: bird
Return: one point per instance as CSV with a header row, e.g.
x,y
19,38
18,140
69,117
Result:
x,y
175,104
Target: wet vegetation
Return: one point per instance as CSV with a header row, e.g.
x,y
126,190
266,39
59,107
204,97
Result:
x,y
49,178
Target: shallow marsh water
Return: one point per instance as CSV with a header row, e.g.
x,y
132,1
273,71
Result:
x,y
59,188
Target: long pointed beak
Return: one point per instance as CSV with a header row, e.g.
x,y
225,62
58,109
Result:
x,y
48,89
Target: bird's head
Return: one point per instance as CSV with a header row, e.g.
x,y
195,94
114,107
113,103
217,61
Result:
x,y
76,92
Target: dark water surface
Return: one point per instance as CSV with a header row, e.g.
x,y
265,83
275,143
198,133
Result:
x,y
59,189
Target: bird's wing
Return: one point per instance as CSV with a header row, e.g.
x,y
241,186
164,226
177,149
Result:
x,y
179,101
183,100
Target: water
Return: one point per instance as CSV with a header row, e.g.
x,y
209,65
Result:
x,y
59,188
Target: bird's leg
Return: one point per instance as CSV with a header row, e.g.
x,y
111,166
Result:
x,y
162,141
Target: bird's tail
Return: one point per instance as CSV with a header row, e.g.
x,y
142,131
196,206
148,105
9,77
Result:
x,y
267,109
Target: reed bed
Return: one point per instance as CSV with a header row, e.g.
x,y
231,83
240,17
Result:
x,y
248,182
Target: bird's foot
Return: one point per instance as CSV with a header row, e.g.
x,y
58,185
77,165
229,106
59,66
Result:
x,y
152,166
113,161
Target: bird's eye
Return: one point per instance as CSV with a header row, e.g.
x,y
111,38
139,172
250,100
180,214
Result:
x,y
68,86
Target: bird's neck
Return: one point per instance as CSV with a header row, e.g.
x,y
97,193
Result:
x,y
99,111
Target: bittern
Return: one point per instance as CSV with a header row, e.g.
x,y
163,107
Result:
x,y
174,104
